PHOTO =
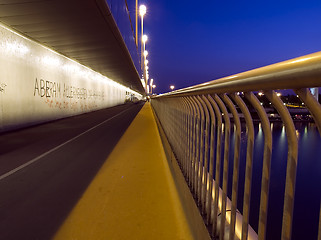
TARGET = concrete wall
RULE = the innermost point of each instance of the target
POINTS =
(38, 84)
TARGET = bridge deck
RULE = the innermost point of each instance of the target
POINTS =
(133, 196)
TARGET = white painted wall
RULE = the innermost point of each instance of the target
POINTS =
(38, 84)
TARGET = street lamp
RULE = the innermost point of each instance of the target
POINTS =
(142, 12)
(144, 39)
(151, 85)
(172, 87)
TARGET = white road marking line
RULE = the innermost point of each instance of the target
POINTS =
(59, 146)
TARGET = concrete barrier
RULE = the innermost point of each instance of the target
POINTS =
(38, 84)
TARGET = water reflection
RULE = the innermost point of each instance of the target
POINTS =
(305, 222)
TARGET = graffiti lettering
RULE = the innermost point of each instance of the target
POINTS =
(74, 92)
(48, 89)
(2, 87)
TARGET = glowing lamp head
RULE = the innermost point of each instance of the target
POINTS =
(172, 87)
(146, 62)
(142, 10)
(145, 38)
(145, 53)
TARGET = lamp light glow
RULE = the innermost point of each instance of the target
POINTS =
(145, 38)
(142, 10)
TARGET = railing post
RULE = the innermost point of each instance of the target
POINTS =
(190, 142)
(195, 142)
(211, 161)
(205, 163)
(225, 164)
(218, 162)
(312, 104)
(265, 169)
(291, 164)
(237, 123)
(201, 151)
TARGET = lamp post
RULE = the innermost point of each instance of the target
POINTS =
(142, 12)
(151, 85)
(144, 39)
(136, 24)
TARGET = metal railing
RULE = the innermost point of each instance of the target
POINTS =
(198, 121)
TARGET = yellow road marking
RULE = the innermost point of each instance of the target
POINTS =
(133, 196)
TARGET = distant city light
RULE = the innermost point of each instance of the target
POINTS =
(278, 94)
(260, 94)
(154, 86)
(142, 10)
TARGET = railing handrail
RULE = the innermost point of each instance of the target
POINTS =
(187, 123)
(301, 72)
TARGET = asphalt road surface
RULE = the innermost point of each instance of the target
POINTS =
(45, 169)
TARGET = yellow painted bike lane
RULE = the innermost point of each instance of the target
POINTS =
(133, 196)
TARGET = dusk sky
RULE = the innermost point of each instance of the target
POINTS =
(197, 41)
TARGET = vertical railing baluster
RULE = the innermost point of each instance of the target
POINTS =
(225, 163)
(194, 150)
(249, 158)
(291, 164)
(211, 160)
(312, 104)
(185, 135)
(236, 161)
(190, 141)
(206, 149)
(197, 149)
(201, 151)
(265, 169)
(218, 162)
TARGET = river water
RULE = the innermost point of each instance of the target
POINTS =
(308, 181)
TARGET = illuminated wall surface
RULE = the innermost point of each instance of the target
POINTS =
(122, 17)
(37, 84)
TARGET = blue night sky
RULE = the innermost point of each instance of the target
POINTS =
(197, 41)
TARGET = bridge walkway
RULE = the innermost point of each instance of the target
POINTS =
(134, 195)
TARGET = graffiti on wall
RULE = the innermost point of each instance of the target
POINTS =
(51, 89)
(2, 87)
(58, 95)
